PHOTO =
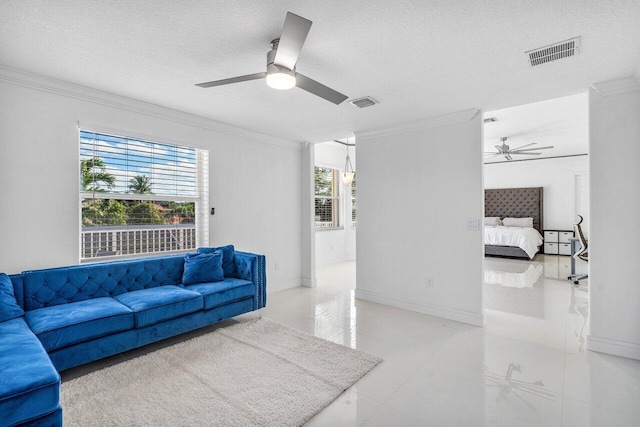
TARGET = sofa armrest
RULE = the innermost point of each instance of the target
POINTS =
(252, 267)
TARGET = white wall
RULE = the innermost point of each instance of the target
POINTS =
(614, 286)
(557, 176)
(254, 179)
(336, 245)
(307, 230)
(414, 200)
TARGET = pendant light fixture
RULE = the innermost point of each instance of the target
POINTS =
(349, 174)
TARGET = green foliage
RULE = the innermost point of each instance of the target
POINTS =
(103, 212)
(140, 184)
(180, 212)
(93, 174)
(145, 213)
(323, 179)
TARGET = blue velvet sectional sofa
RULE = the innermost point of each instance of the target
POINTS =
(58, 318)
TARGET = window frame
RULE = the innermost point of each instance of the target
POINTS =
(200, 188)
(336, 183)
(352, 197)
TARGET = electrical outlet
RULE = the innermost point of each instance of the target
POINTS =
(276, 265)
(429, 282)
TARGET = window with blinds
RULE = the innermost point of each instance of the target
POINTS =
(327, 198)
(140, 197)
(353, 202)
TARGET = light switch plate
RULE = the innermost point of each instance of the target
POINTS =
(473, 224)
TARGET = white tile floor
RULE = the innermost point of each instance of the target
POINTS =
(527, 367)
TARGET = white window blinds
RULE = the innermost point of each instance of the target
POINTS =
(141, 197)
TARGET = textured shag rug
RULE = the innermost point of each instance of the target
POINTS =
(254, 373)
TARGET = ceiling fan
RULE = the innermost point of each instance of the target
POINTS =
(507, 152)
(281, 63)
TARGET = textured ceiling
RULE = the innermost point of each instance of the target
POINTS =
(561, 122)
(418, 58)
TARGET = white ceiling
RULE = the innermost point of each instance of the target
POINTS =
(561, 122)
(418, 58)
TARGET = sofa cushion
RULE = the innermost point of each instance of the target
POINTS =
(59, 326)
(202, 268)
(9, 308)
(154, 305)
(29, 384)
(219, 293)
(228, 255)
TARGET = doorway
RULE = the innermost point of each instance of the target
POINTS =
(335, 218)
(553, 137)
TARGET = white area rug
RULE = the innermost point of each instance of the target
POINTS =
(255, 373)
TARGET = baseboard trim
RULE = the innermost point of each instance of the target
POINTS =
(308, 282)
(614, 347)
(475, 319)
(281, 286)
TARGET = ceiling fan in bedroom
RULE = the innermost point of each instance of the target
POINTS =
(507, 152)
(281, 63)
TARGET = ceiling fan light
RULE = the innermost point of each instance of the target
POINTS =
(281, 81)
(280, 77)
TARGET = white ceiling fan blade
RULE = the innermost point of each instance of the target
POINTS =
(233, 80)
(522, 146)
(491, 157)
(533, 149)
(318, 89)
(524, 154)
(294, 33)
(508, 157)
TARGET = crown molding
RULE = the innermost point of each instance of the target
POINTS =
(618, 86)
(84, 93)
(431, 122)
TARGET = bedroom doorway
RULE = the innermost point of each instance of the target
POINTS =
(540, 145)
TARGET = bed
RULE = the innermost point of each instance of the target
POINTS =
(513, 203)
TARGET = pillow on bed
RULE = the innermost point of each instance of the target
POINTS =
(518, 222)
(493, 221)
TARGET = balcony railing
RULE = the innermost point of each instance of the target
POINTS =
(120, 240)
(325, 224)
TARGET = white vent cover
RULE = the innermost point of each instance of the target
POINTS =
(365, 101)
(554, 52)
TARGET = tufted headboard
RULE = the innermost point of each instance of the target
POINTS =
(515, 203)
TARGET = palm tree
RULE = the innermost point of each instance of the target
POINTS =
(93, 172)
(140, 184)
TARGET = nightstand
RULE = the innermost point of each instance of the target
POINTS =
(557, 242)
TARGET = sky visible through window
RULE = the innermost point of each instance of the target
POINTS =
(171, 169)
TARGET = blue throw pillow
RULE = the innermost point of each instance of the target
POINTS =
(202, 268)
(228, 255)
(9, 308)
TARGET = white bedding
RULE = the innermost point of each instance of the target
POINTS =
(527, 239)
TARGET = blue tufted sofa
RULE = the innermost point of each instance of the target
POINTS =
(78, 314)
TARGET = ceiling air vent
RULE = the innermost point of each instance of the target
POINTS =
(554, 52)
(365, 101)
